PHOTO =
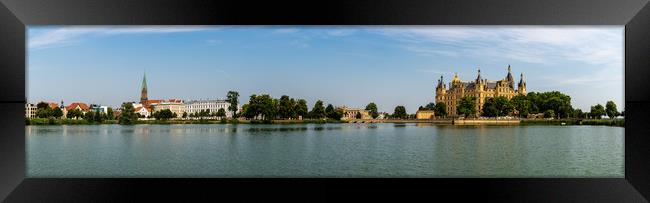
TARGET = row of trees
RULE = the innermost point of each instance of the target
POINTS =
(552, 104)
(265, 107)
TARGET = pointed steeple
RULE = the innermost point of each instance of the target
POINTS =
(143, 92)
(522, 83)
(509, 78)
(478, 78)
(144, 81)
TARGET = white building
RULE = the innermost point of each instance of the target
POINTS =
(144, 111)
(196, 106)
(99, 108)
(30, 110)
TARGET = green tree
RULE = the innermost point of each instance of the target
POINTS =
(42, 105)
(610, 109)
(57, 113)
(233, 98)
(329, 110)
(549, 113)
(400, 112)
(98, 117)
(43, 112)
(184, 115)
(467, 106)
(164, 114)
(128, 116)
(318, 111)
(522, 104)
(577, 113)
(109, 113)
(286, 107)
(221, 113)
(490, 108)
(301, 108)
(440, 109)
(358, 116)
(597, 111)
(372, 108)
(74, 113)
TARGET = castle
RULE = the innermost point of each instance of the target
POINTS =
(480, 88)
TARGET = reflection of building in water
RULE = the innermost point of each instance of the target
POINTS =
(479, 88)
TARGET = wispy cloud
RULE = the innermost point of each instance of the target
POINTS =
(70, 35)
(543, 45)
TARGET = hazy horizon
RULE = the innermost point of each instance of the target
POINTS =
(340, 65)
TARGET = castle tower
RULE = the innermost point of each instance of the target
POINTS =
(441, 90)
(143, 93)
(510, 79)
(521, 88)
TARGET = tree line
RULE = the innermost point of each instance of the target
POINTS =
(552, 104)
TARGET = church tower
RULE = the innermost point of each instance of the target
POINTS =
(521, 89)
(143, 93)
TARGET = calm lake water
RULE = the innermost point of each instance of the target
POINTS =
(324, 150)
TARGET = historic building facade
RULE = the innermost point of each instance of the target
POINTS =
(211, 105)
(479, 88)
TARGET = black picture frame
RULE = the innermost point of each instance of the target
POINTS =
(15, 15)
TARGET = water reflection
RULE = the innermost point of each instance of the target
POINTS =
(324, 150)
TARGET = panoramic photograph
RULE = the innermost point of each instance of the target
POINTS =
(325, 101)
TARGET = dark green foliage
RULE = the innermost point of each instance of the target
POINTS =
(372, 108)
(497, 106)
(164, 114)
(286, 108)
(522, 105)
(57, 113)
(318, 111)
(233, 98)
(42, 105)
(400, 112)
(467, 106)
(128, 116)
(549, 113)
(301, 108)
(610, 109)
(597, 111)
(440, 109)
(74, 113)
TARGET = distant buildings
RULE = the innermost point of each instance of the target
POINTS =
(83, 107)
(30, 110)
(424, 114)
(351, 113)
(174, 105)
(98, 108)
(196, 106)
(144, 111)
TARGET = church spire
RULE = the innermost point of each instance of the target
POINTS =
(143, 92)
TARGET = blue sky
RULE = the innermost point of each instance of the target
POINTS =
(349, 65)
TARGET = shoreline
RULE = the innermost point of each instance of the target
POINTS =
(459, 122)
